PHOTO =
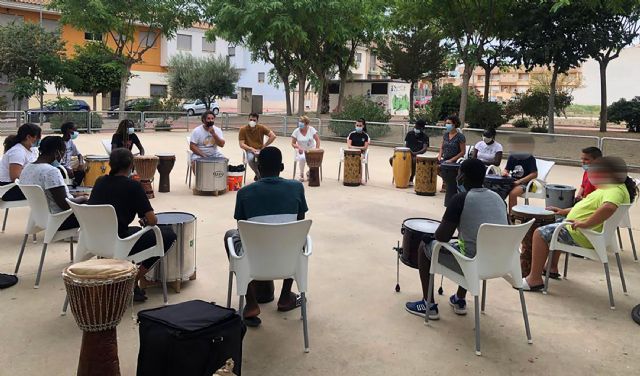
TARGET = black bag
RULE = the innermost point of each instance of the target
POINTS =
(193, 338)
(7, 280)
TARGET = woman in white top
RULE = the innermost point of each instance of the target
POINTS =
(489, 151)
(305, 137)
(18, 153)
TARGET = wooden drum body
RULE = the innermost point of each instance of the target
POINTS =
(314, 160)
(99, 292)
(449, 173)
(525, 213)
(165, 165)
(401, 166)
(352, 167)
(426, 180)
(97, 166)
(502, 185)
(145, 166)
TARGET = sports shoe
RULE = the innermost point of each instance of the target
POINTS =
(419, 309)
(459, 305)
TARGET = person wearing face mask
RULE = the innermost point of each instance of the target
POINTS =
(303, 138)
(489, 151)
(521, 166)
(129, 200)
(206, 139)
(453, 143)
(43, 172)
(18, 152)
(72, 161)
(418, 142)
(614, 188)
(466, 212)
(359, 139)
(251, 139)
(589, 155)
(125, 137)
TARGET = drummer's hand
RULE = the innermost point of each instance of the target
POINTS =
(553, 209)
(300, 151)
(578, 198)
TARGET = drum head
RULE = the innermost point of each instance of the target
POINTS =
(171, 218)
(105, 269)
(401, 148)
(424, 225)
(96, 157)
(559, 187)
(165, 155)
(212, 159)
(529, 209)
(498, 178)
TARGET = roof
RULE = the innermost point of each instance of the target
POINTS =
(34, 2)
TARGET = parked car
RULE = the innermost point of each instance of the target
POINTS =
(136, 104)
(36, 114)
(197, 106)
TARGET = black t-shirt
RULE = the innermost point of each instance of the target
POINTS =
(125, 195)
(416, 141)
(358, 138)
(133, 140)
(521, 167)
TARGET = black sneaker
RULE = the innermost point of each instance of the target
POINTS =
(139, 295)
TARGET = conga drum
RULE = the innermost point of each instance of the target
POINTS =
(525, 213)
(145, 166)
(426, 175)
(314, 160)
(165, 165)
(401, 166)
(560, 196)
(449, 173)
(501, 185)
(352, 167)
(99, 292)
(97, 166)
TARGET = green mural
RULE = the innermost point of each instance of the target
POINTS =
(400, 103)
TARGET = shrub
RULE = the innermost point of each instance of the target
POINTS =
(535, 104)
(163, 124)
(522, 123)
(484, 115)
(360, 107)
(539, 129)
(422, 113)
(447, 101)
(81, 119)
(626, 111)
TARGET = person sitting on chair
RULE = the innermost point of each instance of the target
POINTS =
(129, 199)
(521, 166)
(489, 151)
(303, 138)
(19, 151)
(271, 199)
(206, 139)
(589, 155)
(125, 137)
(469, 209)
(359, 139)
(251, 138)
(72, 160)
(613, 188)
(418, 142)
(45, 173)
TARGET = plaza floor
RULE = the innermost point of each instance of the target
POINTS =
(357, 322)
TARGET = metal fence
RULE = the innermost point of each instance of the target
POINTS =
(167, 121)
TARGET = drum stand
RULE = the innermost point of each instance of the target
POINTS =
(398, 250)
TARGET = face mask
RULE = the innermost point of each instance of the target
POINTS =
(252, 123)
(130, 130)
(585, 167)
(74, 135)
(487, 140)
(300, 125)
(449, 127)
(36, 144)
(209, 124)
(359, 129)
(417, 131)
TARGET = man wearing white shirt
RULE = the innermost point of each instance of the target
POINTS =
(207, 139)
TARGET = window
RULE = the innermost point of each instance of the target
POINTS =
(92, 36)
(231, 51)
(158, 91)
(373, 62)
(208, 46)
(52, 26)
(334, 88)
(261, 77)
(148, 38)
(379, 88)
(184, 42)
(6, 19)
(358, 57)
(523, 76)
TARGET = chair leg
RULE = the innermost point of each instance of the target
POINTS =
(525, 315)
(339, 169)
(546, 275)
(163, 270)
(633, 245)
(24, 243)
(229, 290)
(619, 237)
(566, 264)
(71, 249)
(366, 172)
(484, 294)
(320, 172)
(35, 238)
(429, 297)
(624, 284)
(241, 307)
(44, 252)
(65, 305)
(526, 201)
(606, 273)
(186, 177)
(295, 165)
(476, 306)
(305, 329)
(4, 221)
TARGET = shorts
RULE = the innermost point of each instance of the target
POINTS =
(445, 257)
(563, 236)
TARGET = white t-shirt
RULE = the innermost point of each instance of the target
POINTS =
(305, 142)
(72, 151)
(487, 153)
(47, 177)
(204, 141)
(18, 154)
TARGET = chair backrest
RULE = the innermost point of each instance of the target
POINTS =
(37, 203)
(273, 250)
(611, 224)
(98, 228)
(544, 167)
(498, 248)
(106, 144)
(5, 188)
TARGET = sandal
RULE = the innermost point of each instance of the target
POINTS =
(552, 275)
(298, 303)
(252, 322)
(526, 287)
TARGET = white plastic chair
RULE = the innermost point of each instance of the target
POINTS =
(189, 154)
(497, 256)
(272, 251)
(106, 144)
(626, 223)
(6, 205)
(40, 219)
(602, 243)
(295, 166)
(493, 170)
(538, 184)
(245, 162)
(468, 152)
(365, 161)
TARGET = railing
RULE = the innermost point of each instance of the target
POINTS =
(109, 120)
(10, 120)
(167, 121)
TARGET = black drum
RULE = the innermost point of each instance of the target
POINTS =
(415, 230)
(501, 185)
(449, 173)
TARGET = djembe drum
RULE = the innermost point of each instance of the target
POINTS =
(165, 165)
(426, 182)
(99, 291)
(314, 160)
(145, 166)
(401, 166)
(502, 185)
(352, 167)
(525, 213)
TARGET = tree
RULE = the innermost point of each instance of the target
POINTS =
(411, 54)
(30, 57)
(121, 22)
(626, 111)
(496, 55)
(93, 70)
(201, 78)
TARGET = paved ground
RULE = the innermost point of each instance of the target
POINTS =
(358, 325)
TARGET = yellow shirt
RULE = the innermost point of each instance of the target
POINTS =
(616, 194)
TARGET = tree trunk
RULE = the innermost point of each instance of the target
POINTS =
(411, 104)
(124, 81)
(552, 100)
(95, 101)
(320, 95)
(603, 96)
(287, 92)
(487, 82)
(325, 98)
(302, 79)
(466, 77)
(343, 82)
